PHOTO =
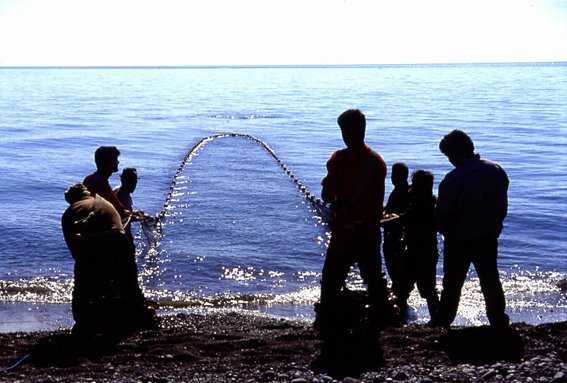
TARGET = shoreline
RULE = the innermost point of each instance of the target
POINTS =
(37, 316)
(239, 347)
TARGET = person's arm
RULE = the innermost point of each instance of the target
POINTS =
(390, 219)
(329, 183)
(68, 227)
(115, 201)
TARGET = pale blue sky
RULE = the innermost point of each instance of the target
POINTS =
(279, 32)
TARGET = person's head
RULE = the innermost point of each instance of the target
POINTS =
(422, 183)
(106, 158)
(129, 179)
(400, 173)
(76, 193)
(353, 127)
(457, 146)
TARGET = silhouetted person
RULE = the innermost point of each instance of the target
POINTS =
(354, 185)
(106, 295)
(398, 202)
(129, 181)
(419, 260)
(106, 161)
(471, 207)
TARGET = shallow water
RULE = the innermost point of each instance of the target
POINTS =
(238, 232)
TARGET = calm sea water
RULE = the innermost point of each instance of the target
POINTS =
(238, 233)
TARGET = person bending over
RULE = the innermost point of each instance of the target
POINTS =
(106, 296)
(471, 206)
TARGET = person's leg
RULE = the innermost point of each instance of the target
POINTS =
(392, 255)
(81, 302)
(335, 270)
(382, 311)
(427, 280)
(456, 263)
(367, 244)
(126, 271)
(485, 264)
(404, 285)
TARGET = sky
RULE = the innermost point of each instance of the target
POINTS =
(279, 32)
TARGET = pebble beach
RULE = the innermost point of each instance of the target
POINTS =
(236, 347)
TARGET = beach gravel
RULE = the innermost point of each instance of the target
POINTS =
(236, 347)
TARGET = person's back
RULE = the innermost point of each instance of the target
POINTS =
(419, 218)
(470, 212)
(354, 185)
(483, 205)
(399, 198)
(77, 227)
(106, 295)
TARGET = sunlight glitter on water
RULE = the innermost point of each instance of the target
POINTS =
(37, 290)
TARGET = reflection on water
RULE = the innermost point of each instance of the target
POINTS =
(25, 316)
(37, 304)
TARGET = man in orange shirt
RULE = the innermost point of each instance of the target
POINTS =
(106, 161)
(354, 186)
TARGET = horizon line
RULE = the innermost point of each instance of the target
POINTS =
(259, 66)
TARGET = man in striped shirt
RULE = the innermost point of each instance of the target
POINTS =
(471, 207)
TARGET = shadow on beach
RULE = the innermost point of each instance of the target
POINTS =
(482, 345)
(234, 347)
(349, 353)
(66, 349)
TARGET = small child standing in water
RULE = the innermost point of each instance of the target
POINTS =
(419, 260)
(398, 202)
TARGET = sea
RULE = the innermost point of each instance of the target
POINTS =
(230, 160)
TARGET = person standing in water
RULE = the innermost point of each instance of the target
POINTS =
(106, 161)
(418, 262)
(354, 186)
(398, 202)
(471, 206)
(129, 181)
(106, 295)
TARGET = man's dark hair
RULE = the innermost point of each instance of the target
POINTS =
(104, 154)
(353, 126)
(457, 143)
(132, 172)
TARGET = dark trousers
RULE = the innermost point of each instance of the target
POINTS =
(458, 256)
(106, 294)
(418, 266)
(393, 249)
(358, 244)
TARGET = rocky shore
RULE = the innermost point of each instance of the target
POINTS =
(231, 347)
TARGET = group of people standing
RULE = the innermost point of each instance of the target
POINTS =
(106, 296)
(469, 212)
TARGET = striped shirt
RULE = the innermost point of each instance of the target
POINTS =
(472, 200)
